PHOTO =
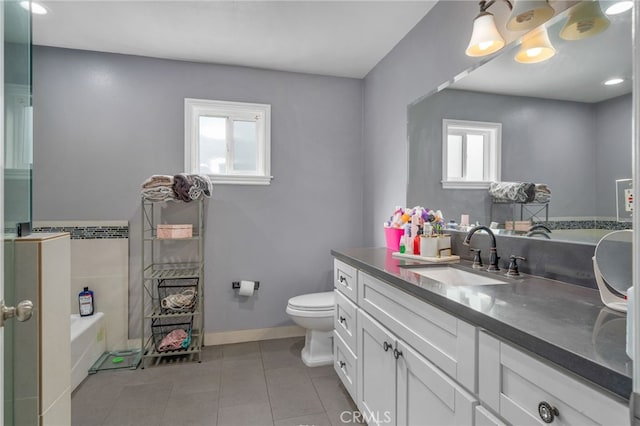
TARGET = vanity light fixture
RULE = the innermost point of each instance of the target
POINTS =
(485, 37)
(529, 14)
(585, 20)
(35, 8)
(525, 15)
(619, 7)
(536, 47)
(613, 81)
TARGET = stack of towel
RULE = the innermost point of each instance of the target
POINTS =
(182, 187)
(543, 193)
(520, 192)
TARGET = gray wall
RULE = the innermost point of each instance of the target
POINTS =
(613, 140)
(105, 122)
(543, 140)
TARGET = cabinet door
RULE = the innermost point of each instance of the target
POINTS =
(376, 372)
(427, 396)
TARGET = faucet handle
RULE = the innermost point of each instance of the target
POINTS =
(512, 271)
(477, 259)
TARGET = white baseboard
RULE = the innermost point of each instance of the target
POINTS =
(240, 336)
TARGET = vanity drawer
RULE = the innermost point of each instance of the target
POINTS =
(345, 279)
(514, 384)
(345, 321)
(443, 339)
(345, 364)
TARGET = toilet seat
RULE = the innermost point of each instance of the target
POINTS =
(314, 302)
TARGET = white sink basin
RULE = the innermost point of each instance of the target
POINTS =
(453, 276)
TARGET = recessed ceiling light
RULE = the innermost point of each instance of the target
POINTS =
(613, 81)
(36, 8)
(619, 7)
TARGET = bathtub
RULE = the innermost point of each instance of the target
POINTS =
(88, 342)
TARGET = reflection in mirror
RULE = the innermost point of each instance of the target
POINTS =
(561, 126)
(612, 268)
(18, 117)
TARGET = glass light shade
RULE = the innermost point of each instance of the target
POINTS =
(585, 20)
(536, 47)
(528, 14)
(485, 38)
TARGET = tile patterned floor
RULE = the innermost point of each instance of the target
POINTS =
(245, 384)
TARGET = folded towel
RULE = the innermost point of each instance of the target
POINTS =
(182, 183)
(158, 180)
(543, 193)
(159, 193)
(201, 187)
(519, 192)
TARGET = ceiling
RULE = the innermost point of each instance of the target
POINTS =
(337, 38)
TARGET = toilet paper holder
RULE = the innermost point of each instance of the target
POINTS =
(236, 285)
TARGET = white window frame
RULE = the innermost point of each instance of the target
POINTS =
(492, 153)
(261, 113)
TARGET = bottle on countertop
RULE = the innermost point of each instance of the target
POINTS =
(85, 302)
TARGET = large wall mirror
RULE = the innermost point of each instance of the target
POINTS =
(561, 126)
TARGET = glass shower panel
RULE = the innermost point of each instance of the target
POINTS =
(18, 111)
(20, 372)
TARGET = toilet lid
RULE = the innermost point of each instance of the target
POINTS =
(314, 301)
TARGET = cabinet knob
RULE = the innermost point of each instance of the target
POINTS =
(547, 412)
(342, 364)
(386, 346)
(342, 319)
(343, 279)
(396, 353)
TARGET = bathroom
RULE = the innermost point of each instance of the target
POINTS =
(104, 122)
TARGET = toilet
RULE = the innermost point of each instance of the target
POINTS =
(315, 312)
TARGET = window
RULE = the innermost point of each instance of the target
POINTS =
(229, 141)
(470, 153)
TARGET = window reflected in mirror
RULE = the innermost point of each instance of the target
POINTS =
(471, 153)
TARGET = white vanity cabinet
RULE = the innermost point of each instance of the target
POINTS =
(414, 363)
(523, 389)
(407, 362)
(398, 386)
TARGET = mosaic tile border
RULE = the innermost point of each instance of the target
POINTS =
(88, 232)
(585, 224)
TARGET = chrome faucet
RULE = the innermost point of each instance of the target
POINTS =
(493, 254)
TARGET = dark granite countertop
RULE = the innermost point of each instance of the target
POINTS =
(563, 323)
